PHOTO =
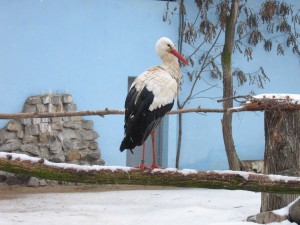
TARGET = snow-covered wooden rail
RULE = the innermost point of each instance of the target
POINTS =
(233, 180)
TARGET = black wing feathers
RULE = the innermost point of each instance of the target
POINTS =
(139, 120)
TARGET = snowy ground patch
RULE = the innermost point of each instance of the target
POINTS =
(144, 207)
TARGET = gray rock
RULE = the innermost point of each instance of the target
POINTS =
(33, 182)
(55, 99)
(28, 139)
(55, 147)
(7, 135)
(20, 134)
(59, 108)
(99, 162)
(70, 107)
(11, 146)
(93, 145)
(56, 126)
(67, 134)
(72, 124)
(45, 127)
(32, 129)
(45, 120)
(267, 217)
(36, 120)
(87, 124)
(43, 138)
(56, 120)
(57, 158)
(294, 212)
(26, 121)
(14, 179)
(44, 152)
(2, 176)
(34, 100)
(74, 144)
(65, 119)
(41, 108)
(31, 149)
(67, 98)
(91, 156)
(14, 126)
(76, 118)
(42, 183)
(51, 108)
(88, 135)
(29, 108)
(45, 99)
(73, 155)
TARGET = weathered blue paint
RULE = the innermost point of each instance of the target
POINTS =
(85, 48)
(88, 48)
(202, 146)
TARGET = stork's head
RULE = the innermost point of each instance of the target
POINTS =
(166, 46)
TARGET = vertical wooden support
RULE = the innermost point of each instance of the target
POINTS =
(282, 152)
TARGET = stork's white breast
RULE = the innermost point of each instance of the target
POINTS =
(160, 83)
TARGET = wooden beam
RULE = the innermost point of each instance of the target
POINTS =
(104, 112)
(164, 177)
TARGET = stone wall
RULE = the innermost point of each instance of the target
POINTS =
(61, 139)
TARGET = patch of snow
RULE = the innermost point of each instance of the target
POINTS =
(187, 171)
(166, 170)
(237, 108)
(179, 206)
(24, 157)
(285, 211)
(243, 174)
(274, 177)
(292, 98)
(174, 170)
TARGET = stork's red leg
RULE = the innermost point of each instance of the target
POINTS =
(142, 165)
(154, 165)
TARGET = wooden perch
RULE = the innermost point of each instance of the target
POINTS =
(252, 104)
(22, 164)
(107, 112)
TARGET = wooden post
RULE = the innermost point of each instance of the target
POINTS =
(282, 152)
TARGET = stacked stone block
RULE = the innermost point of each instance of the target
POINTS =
(58, 139)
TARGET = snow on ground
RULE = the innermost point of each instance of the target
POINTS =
(144, 207)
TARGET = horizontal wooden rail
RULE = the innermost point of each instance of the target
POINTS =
(232, 180)
(249, 107)
(106, 112)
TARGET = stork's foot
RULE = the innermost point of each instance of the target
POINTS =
(142, 166)
(155, 166)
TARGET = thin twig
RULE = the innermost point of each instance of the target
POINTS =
(234, 97)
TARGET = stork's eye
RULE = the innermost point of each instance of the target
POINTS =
(169, 45)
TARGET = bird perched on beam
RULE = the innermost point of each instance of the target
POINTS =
(150, 97)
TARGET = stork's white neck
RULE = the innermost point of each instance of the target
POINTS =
(170, 63)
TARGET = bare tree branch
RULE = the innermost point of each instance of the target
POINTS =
(204, 65)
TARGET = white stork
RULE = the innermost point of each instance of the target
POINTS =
(150, 97)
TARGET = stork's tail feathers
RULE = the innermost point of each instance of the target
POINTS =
(127, 143)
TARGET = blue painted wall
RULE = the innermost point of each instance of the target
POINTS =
(88, 48)
(202, 146)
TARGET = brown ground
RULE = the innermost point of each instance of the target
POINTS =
(12, 191)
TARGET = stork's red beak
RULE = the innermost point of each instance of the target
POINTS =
(180, 57)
